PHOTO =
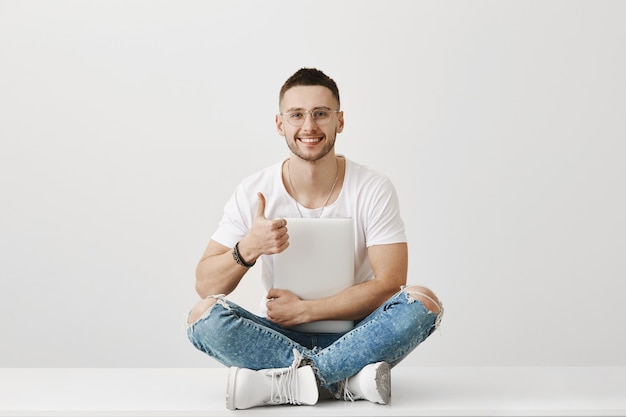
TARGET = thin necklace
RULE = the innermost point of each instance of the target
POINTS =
(296, 193)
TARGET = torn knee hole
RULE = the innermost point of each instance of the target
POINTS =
(426, 296)
(201, 309)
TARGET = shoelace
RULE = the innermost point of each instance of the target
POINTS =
(285, 383)
(347, 394)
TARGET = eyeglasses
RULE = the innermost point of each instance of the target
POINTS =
(320, 116)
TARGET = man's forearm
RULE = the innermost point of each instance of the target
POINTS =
(218, 274)
(353, 303)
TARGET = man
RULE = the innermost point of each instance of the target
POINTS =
(269, 362)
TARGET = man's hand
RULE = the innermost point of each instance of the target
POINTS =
(266, 237)
(285, 308)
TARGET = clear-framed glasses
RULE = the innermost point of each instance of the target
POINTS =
(320, 116)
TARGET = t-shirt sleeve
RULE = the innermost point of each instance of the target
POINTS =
(385, 225)
(236, 219)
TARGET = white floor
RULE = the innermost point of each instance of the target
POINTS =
(427, 391)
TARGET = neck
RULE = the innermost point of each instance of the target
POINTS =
(311, 175)
(313, 185)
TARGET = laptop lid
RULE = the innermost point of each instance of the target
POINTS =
(319, 262)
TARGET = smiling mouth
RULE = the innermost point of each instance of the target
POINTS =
(310, 140)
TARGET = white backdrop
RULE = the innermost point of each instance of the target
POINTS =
(125, 125)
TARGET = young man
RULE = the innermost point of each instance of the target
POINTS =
(269, 362)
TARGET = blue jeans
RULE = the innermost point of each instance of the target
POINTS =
(236, 337)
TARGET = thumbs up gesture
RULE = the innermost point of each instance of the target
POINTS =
(266, 237)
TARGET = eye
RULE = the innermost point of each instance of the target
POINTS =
(296, 115)
(321, 114)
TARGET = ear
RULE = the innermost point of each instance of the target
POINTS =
(279, 125)
(340, 122)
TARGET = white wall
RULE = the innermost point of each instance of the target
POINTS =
(125, 125)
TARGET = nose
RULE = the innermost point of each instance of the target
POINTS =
(309, 122)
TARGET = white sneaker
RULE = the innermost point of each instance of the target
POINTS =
(372, 383)
(293, 385)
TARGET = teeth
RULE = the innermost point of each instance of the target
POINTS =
(309, 140)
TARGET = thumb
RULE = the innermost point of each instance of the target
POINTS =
(260, 208)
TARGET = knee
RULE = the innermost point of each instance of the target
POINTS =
(426, 296)
(200, 309)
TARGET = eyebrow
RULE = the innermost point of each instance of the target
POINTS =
(292, 109)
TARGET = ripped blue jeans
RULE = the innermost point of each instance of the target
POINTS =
(236, 337)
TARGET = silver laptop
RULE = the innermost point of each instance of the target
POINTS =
(319, 262)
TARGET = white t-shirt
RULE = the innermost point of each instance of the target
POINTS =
(366, 197)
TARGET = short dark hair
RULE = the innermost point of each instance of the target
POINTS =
(310, 76)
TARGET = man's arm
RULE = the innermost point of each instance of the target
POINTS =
(390, 266)
(218, 273)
